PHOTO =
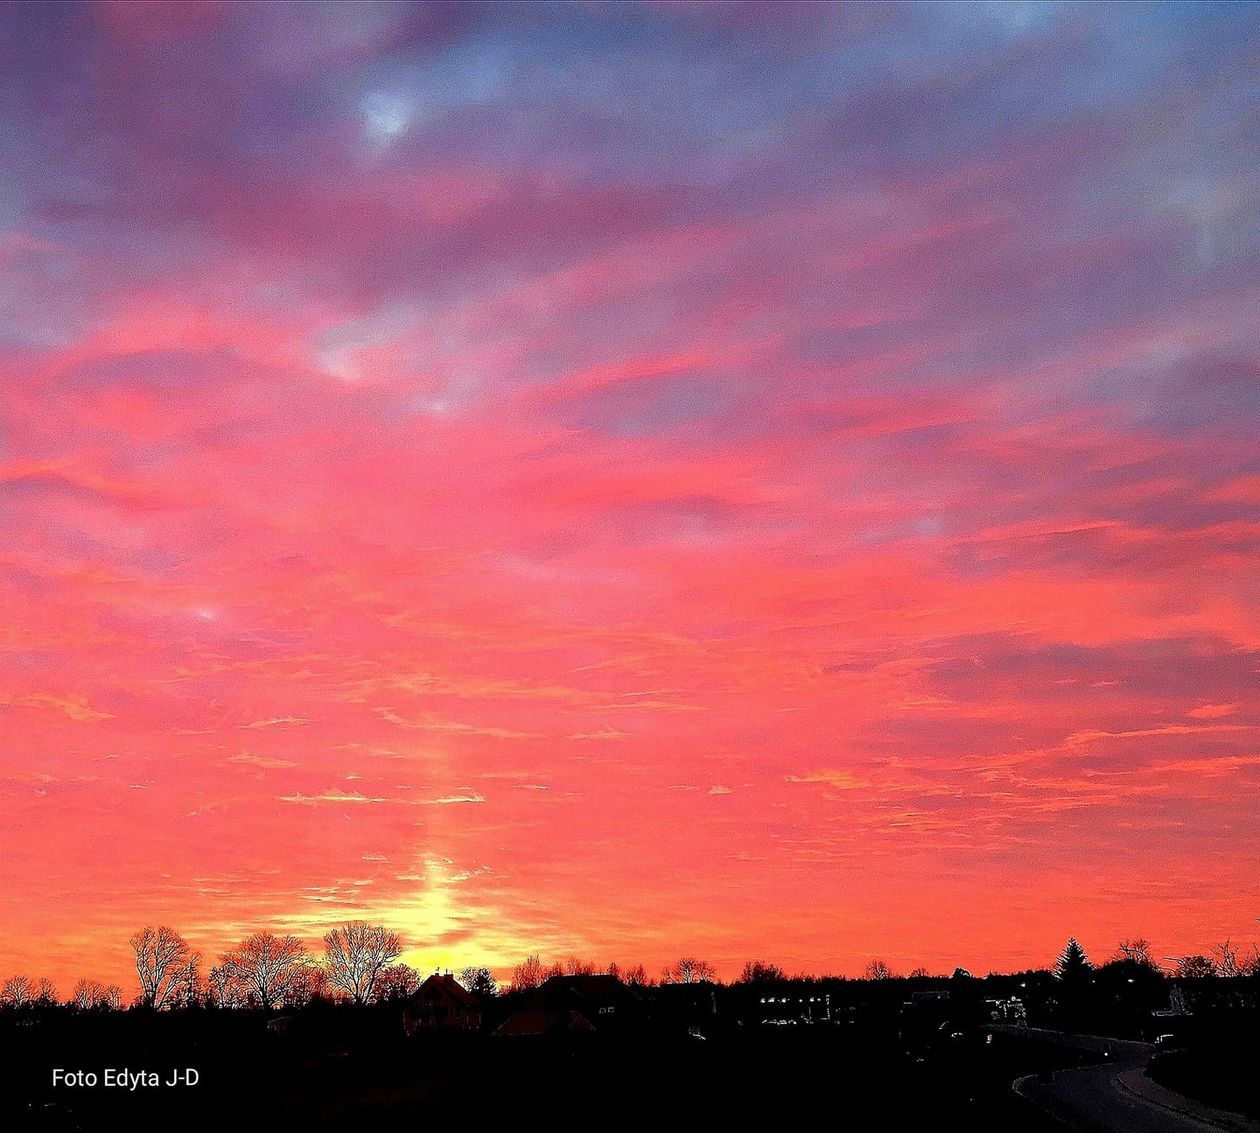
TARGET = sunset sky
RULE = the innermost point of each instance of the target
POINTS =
(630, 480)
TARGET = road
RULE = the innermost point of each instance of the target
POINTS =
(1115, 1096)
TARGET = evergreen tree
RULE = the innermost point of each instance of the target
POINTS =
(1072, 966)
(1074, 974)
(480, 981)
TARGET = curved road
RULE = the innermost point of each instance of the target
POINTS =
(1115, 1096)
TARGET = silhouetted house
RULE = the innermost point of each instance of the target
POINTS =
(924, 1018)
(1010, 1011)
(572, 1005)
(337, 1028)
(537, 1021)
(692, 1007)
(442, 1002)
(785, 1005)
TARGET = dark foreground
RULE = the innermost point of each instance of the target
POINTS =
(349, 1069)
(1117, 1093)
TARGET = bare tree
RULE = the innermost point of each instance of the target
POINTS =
(355, 956)
(111, 998)
(188, 988)
(1137, 951)
(919, 973)
(761, 972)
(480, 982)
(1227, 963)
(223, 990)
(688, 970)
(46, 993)
(309, 981)
(528, 974)
(162, 963)
(1195, 967)
(87, 994)
(878, 970)
(17, 991)
(264, 966)
(397, 982)
(574, 966)
(636, 976)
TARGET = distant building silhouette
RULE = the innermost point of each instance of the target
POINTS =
(442, 1002)
(575, 1005)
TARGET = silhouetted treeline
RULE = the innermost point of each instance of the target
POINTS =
(301, 1038)
(359, 964)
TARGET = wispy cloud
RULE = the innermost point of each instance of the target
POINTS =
(74, 706)
(466, 796)
(276, 722)
(264, 761)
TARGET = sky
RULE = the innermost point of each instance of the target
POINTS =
(630, 480)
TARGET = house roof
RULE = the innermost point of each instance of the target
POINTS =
(588, 991)
(445, 987)
(539, 1021)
